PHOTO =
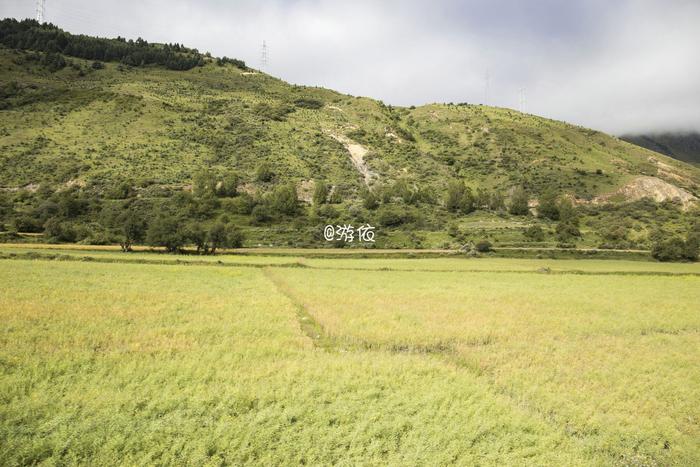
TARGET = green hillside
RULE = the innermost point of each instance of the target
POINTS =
(128, 134)
(682, 146)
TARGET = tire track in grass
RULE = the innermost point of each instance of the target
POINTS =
(307, 323)
(315, 331)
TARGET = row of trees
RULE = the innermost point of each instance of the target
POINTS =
(118, 211)
(462, 199)
(674, 247)
(174, 233)
(30, 35)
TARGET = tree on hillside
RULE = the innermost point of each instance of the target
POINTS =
(167, 231)
(691, 249)
(71, 204)
(320, 193)
(204, 183)
(225, 236)
(217, 236)
(199, 237)
(227, 186)
(203, 207)
(29, 34)
(669, 249)
(482, 198)
(133, 229)
(567, 211)
(549, 205)
(369, 199)
(496, 201)
(55, 230)
(568, 226)
(453, 198)
(459, 197)
(284, 200)
(519, 202)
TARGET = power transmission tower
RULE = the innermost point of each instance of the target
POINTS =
(521, 100)
(487, 82)
(40, 11)
(263, 56)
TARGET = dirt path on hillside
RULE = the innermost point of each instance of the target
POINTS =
(357, 156)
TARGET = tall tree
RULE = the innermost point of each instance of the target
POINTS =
(519, 202)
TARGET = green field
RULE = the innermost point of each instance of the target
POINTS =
(424, 361)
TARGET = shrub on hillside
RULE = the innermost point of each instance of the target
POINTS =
(276, 112)
(534, 233)
(27, 224)
(567, 230)
(308, 103)
(483, 246)
(369, 199)
(405, 134)
(56, 230)
(676, 249)
(227, 185)
(391, 216)
(261, 213)
(453, 230)
(242, 204)
(264, 173)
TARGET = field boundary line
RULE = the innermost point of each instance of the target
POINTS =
(301, 264)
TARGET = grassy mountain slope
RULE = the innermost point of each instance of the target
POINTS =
(163, 125)
(682, 146)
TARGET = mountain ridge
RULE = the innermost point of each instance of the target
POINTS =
(684, 146)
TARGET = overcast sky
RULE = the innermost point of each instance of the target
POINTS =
(619, 66)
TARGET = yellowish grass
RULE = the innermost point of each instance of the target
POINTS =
(169, 364)
(613, 359)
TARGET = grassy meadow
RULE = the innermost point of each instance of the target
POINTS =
(424, 361)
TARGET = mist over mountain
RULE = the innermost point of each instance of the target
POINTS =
(684, 146)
